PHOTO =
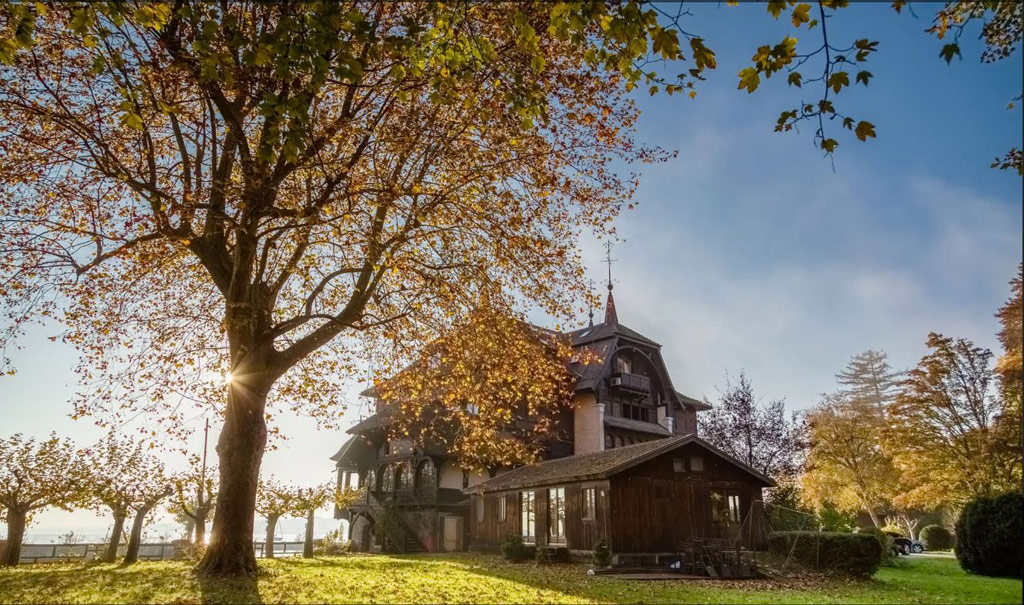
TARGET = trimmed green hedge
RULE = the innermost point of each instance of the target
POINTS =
(851, 554)
(936, 537)
(989, 536)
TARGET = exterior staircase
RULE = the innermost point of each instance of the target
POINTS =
(400, 536)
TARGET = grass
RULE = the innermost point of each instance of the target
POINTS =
(479, 579)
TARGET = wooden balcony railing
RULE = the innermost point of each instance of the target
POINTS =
(631, 383)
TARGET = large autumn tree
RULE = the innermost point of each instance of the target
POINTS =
(944, 428)
(846, 464)
(264, 190)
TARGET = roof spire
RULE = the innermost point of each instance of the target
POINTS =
(590, 303)
(610, 316)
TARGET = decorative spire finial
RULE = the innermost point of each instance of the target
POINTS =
(590, 303)
(610, 317)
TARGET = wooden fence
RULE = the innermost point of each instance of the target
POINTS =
(47, 553)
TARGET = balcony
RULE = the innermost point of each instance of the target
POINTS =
(633, 384)
(420, 496)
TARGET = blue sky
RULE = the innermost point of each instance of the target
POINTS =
(747, 251)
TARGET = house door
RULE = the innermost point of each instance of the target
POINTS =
(452, 533)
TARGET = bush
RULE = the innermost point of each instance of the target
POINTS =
(889, 552)
(936, 537)
(602, 554)
(850, 554)
(513, 548)
(542, 555)
(333, 543)
(989, 538)
(895, 529)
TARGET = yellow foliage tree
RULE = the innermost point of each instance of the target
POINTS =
(846, 464)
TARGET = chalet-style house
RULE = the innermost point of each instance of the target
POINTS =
(629, 468)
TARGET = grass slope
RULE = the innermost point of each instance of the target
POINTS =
(478, 579)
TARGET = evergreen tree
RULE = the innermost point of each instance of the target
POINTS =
(869, 377)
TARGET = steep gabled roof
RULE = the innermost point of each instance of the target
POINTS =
(600, 465)
(374, 422)
(354, 453)
(694, 403)
(635, 425)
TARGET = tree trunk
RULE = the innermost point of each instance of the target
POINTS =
(115, 537)
(268, 545)
(131, 555)
(307, 547)
(874, 517)
(16, 519)
(200, 530)
(240, 448)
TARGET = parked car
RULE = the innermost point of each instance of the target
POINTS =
(903, 545)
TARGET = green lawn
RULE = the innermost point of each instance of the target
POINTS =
(478, 578)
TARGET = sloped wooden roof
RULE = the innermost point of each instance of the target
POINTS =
(600, 465)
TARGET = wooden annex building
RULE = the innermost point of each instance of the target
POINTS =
(644, 499)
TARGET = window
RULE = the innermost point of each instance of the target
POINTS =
(388, 479)
(589, 507)
(609, 442)
(528, 519)
(725, 506)
(465, 478)
(472, 409)
(556, 515)
(636, 412)
(480, 510)
(371, 480)
(679, 465)
(696, 464)
(501, 508)
(622, 365)
(402, 477)
(426, 475)
(734, 507)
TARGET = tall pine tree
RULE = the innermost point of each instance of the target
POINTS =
(869, 377)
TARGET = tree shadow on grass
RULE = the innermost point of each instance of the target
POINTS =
(216, 589)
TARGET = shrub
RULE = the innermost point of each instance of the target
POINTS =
(936, 537)
(602, 554)
(894, 529)
(542, 555)
(513, 548)
(833, 519)
(989, 538)
(333, 543)
(889, 552)
(851, 554)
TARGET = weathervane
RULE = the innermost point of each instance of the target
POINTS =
(608, 259)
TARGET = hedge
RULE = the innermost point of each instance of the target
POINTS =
(936, 537)
(850, 554)
(989, 537)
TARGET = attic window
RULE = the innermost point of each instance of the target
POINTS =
(696, 464)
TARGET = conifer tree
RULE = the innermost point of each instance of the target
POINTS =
(868, 377)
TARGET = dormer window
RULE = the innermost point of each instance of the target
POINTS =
(622, 365)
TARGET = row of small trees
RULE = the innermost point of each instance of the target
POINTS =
(122, 477)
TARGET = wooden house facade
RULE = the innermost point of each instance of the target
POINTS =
(644, 499)
(617, 453)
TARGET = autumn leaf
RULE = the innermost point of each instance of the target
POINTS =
(749, 79)
(865, 130)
